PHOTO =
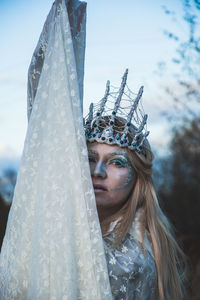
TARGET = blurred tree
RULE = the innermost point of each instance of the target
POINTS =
(179, 189)
(11, 175)
(181, 198)
(179, 194)
(186, 95)
(4, 210)
(7, 184)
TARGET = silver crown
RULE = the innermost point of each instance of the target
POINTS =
(123, 124)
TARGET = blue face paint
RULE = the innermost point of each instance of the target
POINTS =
(112, 177)
(124, 163)
(120, 161)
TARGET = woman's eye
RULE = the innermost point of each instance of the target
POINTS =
(119, 163)
(91, 159)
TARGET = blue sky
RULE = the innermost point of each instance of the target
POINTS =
(120, 34)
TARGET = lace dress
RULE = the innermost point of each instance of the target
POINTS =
(131, 269)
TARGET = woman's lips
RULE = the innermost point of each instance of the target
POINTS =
(98, 188)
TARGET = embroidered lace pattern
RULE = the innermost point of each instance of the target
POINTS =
(132, 270)
(53, 247)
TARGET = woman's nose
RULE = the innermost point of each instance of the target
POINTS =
(99, 170)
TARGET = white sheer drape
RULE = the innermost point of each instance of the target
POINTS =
(53, 247)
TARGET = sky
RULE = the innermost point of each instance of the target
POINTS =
(120, 34)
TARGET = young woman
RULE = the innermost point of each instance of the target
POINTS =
(142, 255)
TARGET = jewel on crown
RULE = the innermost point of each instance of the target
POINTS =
(123, 123)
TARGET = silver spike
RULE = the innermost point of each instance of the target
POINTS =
(121, 91)
(90, 116)
(143, 138)
(104, 99)
(143, 123)
(135, 104)
(91, 112)
(102, 106)
(132, 110)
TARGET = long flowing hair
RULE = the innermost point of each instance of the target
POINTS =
(169, 258)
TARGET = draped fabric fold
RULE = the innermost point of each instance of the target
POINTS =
(77, 21)
(53, 246)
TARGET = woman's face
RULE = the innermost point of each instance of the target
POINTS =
(112, 175)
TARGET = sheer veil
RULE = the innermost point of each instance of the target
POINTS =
(53, 246)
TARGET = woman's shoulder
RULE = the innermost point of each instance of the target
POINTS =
(132, 252)
(135, 233)
(131, 267)
(134, 239)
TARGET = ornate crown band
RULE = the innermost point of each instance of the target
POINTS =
(123, 124)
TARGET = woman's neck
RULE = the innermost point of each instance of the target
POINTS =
(106, 213)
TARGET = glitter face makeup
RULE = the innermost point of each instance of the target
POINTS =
(112, 176)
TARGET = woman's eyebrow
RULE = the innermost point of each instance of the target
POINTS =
(117, 153)
(92, 151)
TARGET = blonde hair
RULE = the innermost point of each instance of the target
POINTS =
(169, 258)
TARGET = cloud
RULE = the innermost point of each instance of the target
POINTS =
(7, 151)
(9, 80)
(9, 159)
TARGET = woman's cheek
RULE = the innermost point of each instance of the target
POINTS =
(120, 180)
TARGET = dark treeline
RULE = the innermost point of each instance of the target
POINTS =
(4, 210)
(179, 186)
(179, 196)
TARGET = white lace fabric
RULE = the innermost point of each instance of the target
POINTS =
(131, 269)
(53, 247)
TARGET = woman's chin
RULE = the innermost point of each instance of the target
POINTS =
(101, 200)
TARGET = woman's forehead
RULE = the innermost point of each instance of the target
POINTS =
(101, 148)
